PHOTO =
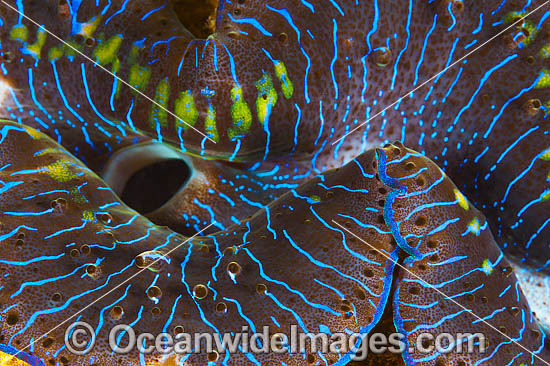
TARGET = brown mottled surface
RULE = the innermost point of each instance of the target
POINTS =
(487, 131)
(198, 16)
(75, 217)
(386, 327)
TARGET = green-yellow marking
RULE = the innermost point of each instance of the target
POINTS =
(19, 32)
(267, 98)
(49, 150)
(487, 266)
(158, 114)
(184, 108)
(60, 171)
(544, 79)
(210, 123)
(77, 196)
(107, 52)
(35, 49)
(545, 196)
(33, 133)
(462, 201)
(474, 227)
(527, 24)
(56, 53)
(61, 50)
(101, 53)
(71, 51)
(286, 84)
(134, 53)
(545, 51)
(88, 29)
(88, 216)
(139, 77)
(546, 154)
(240, 112)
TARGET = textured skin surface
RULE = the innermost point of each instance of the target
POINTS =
(284, 80)
(216, 192)
(315, 292)
(279, 82)
(450, 233)
(339, 283)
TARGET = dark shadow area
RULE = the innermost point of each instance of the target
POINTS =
(151, 187)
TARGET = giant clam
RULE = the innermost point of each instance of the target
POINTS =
(266, 131)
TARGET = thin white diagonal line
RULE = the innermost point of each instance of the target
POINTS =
(442, 71)
(441, 293)
(105, 69)
(110, 291)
